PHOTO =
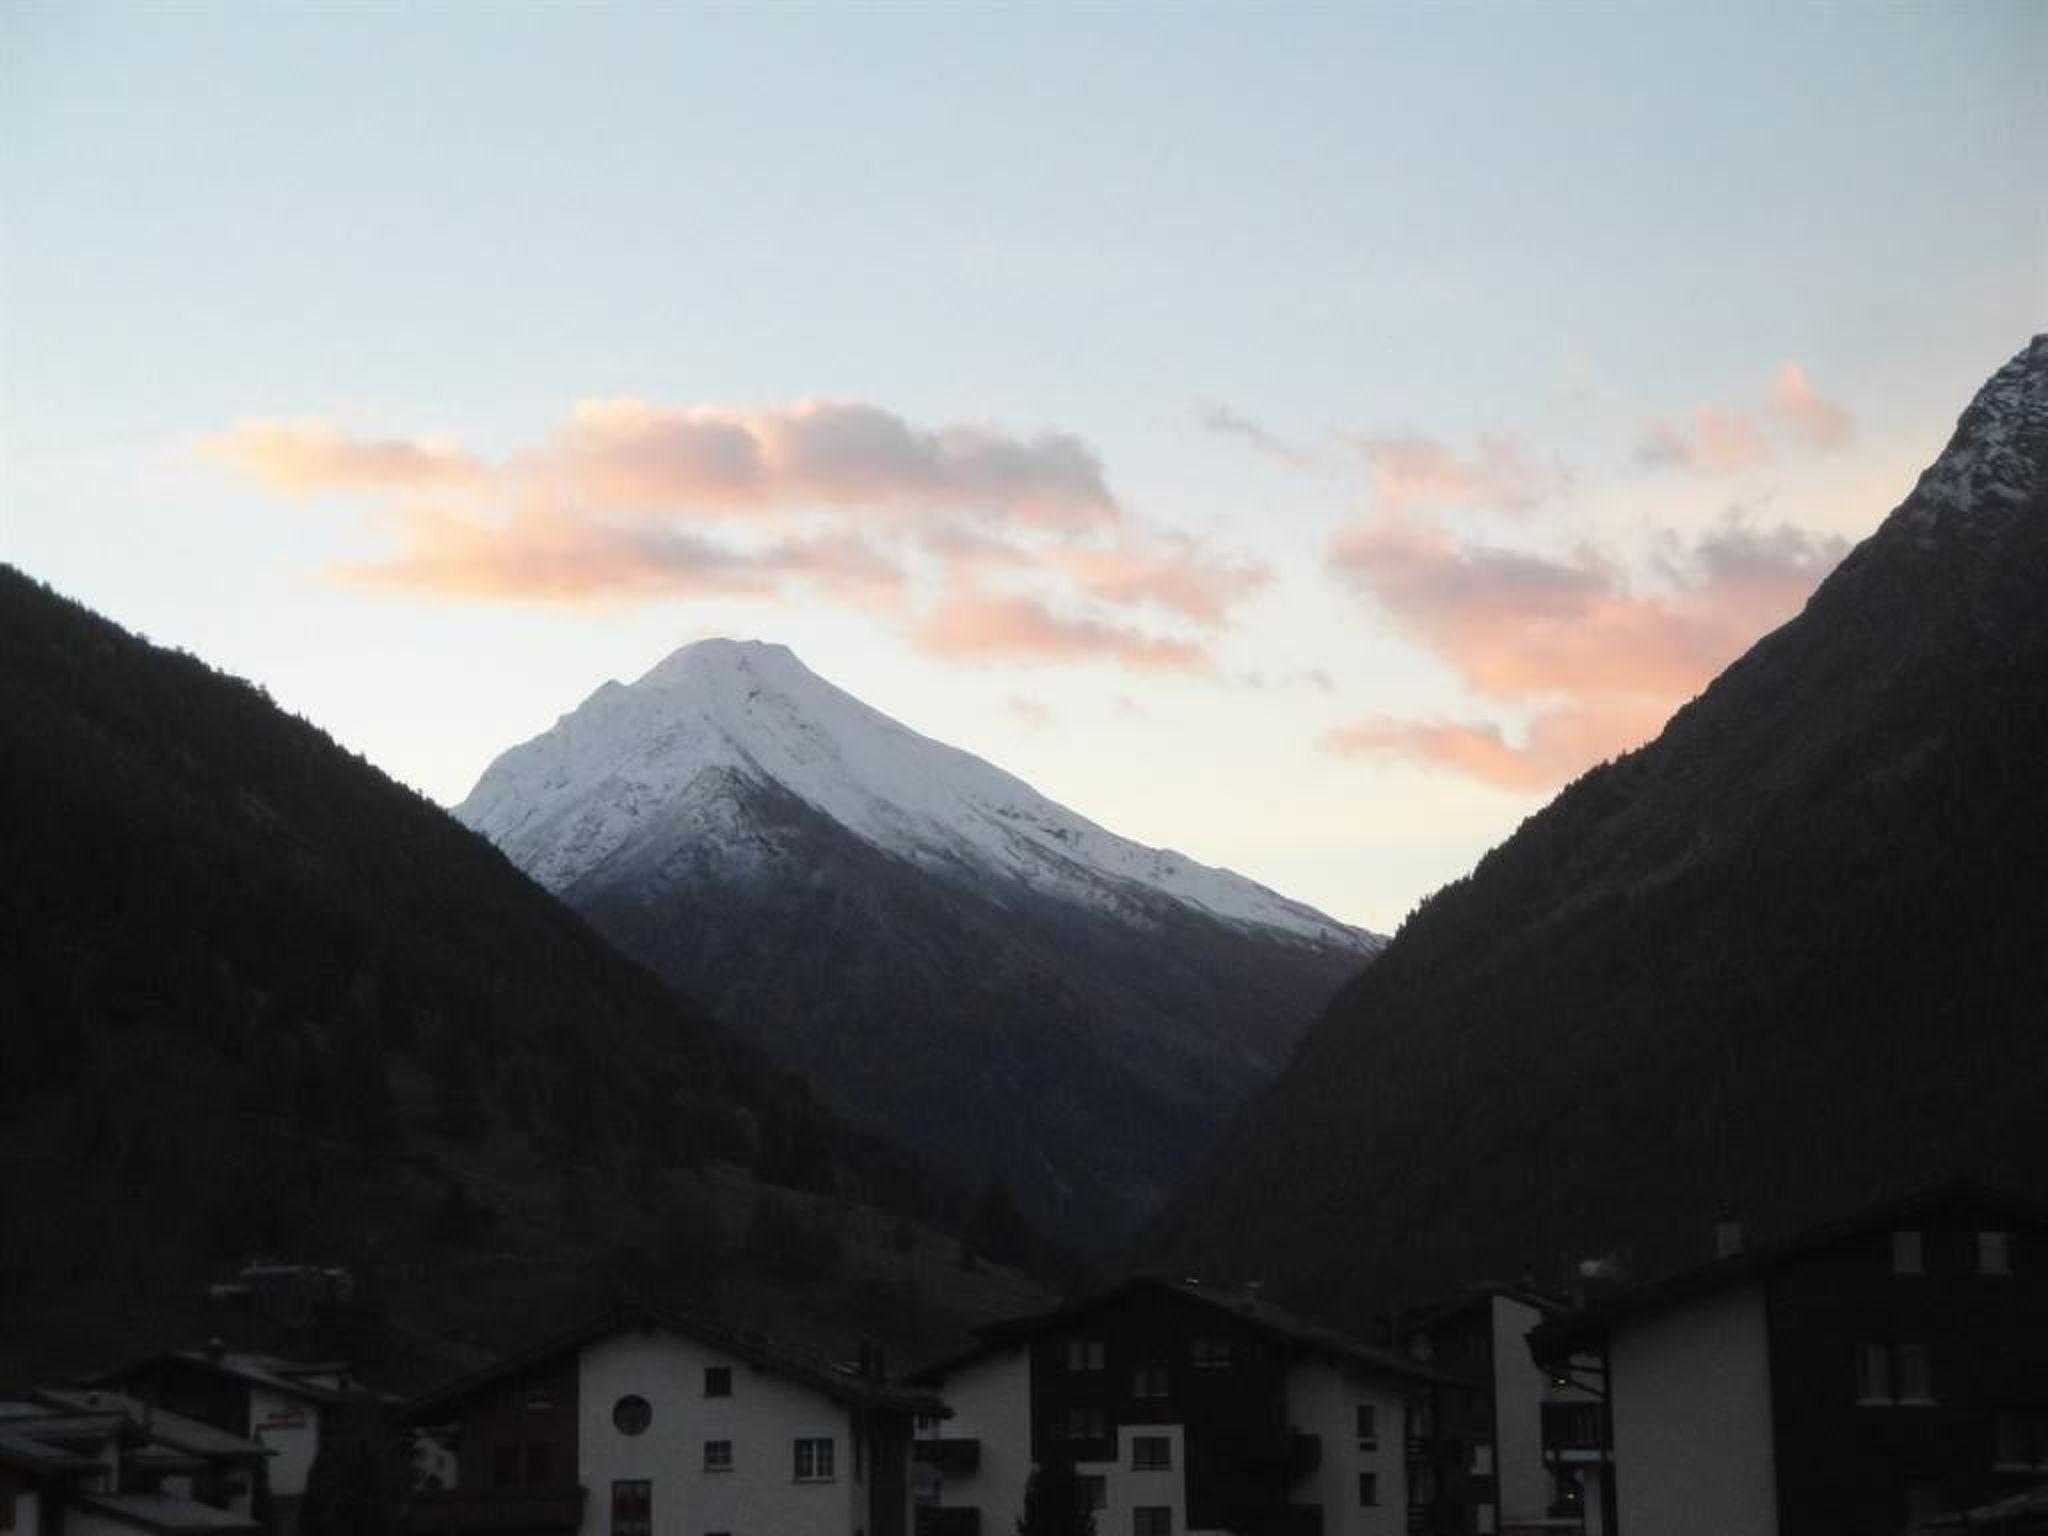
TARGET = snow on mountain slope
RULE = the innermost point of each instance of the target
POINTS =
(563, 803)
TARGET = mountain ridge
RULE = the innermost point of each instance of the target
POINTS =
(1783, 960)
(761, 704)
(945, 953)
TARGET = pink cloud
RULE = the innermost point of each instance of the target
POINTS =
(306, 458)
(542, 556)
(1165, 571)
(989, 626)
(1717, 442)
(1411, 472)
(1559, 743)
(1814, 421)
(1597, 659)
(972, 540)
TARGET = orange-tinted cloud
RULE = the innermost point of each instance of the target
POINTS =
(1717, 440)
(991, 626)
(1166, 571)
(629, 454)
(543, 557)
(306, 458)
(1410, 472)
(1597, 659)
(1801, 411)
(1558, 743)
(971, 540)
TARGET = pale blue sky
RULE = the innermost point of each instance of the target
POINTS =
(1548, 225)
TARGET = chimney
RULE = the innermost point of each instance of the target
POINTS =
(1727, 1236)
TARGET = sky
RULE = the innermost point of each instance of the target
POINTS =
(1304, 437)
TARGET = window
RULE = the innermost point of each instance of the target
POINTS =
(1908, 1254)
(814, 1459)
(860, 1458)
(1910, 1362)
(2023, 1438)
(632, 1414)
(633, 1508)
(1368, 1427)
(1151, 1453)
(1084, 1354)
(539, 1402)
(1368, 1488)
(1482, 1519)
(1480, 1464)
(1094, 1492)
(1993, 1255)
(1151, 1520)
(1212, 1354)
(1892, 1373)
(506, 1471)
(540, 1465)
(717, 1455)
(1087, 1424)
(718, 1381)
(1150, 1382)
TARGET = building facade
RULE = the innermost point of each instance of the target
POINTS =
(1855, 1380)
(648, 1421)
(1516, 1449)
(1181, 1409)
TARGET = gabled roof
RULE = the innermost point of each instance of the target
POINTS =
(1586, 1328)
(323, 1382)
(172, 1429)
(1275, 1323)
(23, 1452)
(159, 1512)
(839, 1383)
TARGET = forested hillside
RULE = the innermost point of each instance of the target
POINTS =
(1789, 959)
(258, 999)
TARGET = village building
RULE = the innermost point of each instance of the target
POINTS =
(1518, 1450)
(1182, 1408)
(284, 1406)
(649, 1420)
(1857, 1379)
(92, 1463)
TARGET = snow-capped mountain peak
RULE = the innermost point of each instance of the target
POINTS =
(565, 802)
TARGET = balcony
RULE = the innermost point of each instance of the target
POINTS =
(949, 1458)
(936, 1520)
(1574, 1432)
(498, 1511)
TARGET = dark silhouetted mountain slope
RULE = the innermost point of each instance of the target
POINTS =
(256, 998)
(1789, 958)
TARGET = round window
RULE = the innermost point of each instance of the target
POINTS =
(632, 1415)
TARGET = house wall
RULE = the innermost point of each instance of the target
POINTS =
(1323, 1400)
(1845, 1464)
(1126, 1489)
(290, 1426)
(1519, 1392)
(1691, 1395)
(991, 1402)
(534, 1412)
(22, 1502)
(762, 1419)
(1233, 1415)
